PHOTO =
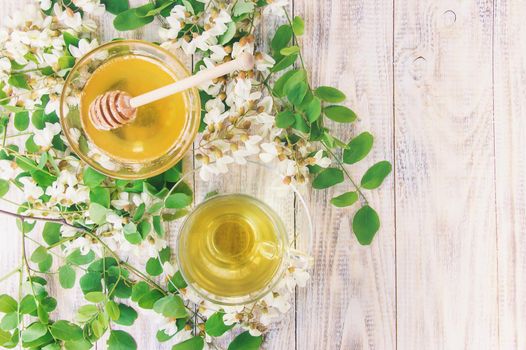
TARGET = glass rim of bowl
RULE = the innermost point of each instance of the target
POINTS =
(287, 249)
(196, 105)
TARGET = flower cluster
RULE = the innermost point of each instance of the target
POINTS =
(240, 109)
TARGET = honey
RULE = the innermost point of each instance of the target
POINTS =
(231, 246)
(158, 125)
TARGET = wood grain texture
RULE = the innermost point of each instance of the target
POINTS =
(510, 143)
(350, 300)
(445, 194)
(441, 85)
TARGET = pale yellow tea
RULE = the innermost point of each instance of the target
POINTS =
(231, 246)
(157, 126)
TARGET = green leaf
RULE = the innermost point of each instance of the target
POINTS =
(144, 228)
(120, 340)
(298, 25)
(95, 297)
(171, 306)
(28, 305)
(229, 34)
(329, 94)
(97, 213)
(286, 51)
(37, 119)
(66, 276)
(344, 200)
(139, 212)
(92, 178)
(33, 332)
(8, 304)
(82, 344)
(76, 257)
(158, 225)
(139, 290)
(22, 120)
(100, 195)
(90, 282)
(285, 119)
(70, 39)
(340, 114)
(65, 330)
(215, 326)
(285, 62)
(358, 148)
(300, 123)
(177, 282)
(296, 95)
(133, 18)
(51, 233)
(43, 178)
(19, 81)
(66, 61)
(313, 110)
(116, 6)
(113, 310)
(5, 337)
(148, 300)
(242, 6)
(39, 255)
(365, 224)
(4, 187)
(245, 341)
(376, 174)
(194, 343)
(280, 83)
(9, 321)
(87, 312)
(281, 38)
(131, 234)
(127, 315)
(178, 201)
(327, 178)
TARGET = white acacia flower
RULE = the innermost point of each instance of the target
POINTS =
(68, 18)
(238, 49)
(84, 46)
(322, 161)
(269, 316)
(32, 191)
(218, 24)
(297, 277)
(270, 152)
(215, 111)
(275, 8)
(45, 4)
(68, 231)
(207, 171)
(254, 331)
(93, 7)
(217, 52)
(122, 202)
(8, 169)
(243, 88)
(53, 105)
(278, 301)
(5, 67)
(44, 137)
(264, 62)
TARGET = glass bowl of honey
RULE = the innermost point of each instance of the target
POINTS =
(161, 133)
(236, 243)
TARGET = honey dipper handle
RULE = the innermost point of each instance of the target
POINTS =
(244, 62)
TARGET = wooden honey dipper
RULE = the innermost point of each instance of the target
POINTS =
(114, 109)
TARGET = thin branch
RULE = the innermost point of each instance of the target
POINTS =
(37, 218)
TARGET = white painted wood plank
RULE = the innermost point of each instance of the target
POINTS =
(350, 301)
(445, 196)
(510, 142)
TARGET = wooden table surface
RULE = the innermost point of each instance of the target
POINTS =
(442, 86)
